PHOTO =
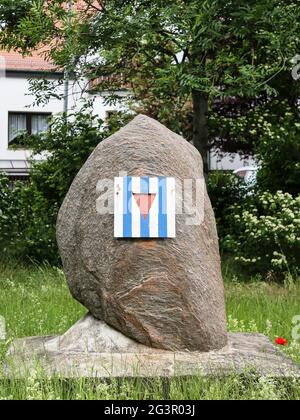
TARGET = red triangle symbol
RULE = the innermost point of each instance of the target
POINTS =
(144, 202)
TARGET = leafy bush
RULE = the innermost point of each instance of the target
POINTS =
(225, 190)
(27, 223)
(67, 144)
(265, 234)
(28, 213)
(278, 152)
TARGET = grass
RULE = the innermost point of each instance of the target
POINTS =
(36, 301)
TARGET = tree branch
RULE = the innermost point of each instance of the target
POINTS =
(91, 3)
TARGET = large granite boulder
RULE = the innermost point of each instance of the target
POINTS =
(166, 294)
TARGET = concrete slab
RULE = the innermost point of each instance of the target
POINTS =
(93, 349)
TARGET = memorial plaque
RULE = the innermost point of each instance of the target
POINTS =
(144, 207)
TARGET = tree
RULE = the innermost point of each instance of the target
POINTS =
(185, 53)
(68, 144)
(279, 152)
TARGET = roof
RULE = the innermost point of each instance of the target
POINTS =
(14, 167)
(14, 61)
(37, 61)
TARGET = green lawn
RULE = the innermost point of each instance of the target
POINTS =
(36, 301)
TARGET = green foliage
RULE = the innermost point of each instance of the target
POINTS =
(12, 11)
(27, 223)
(67, 144)
(35, 301)
(278, 152)
(225, 190)
(27, 24)
(167, 50)
(28, 212)
(258, 37)
(238, 55)
(271, 129)
(265, 234)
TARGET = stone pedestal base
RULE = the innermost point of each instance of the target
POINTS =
(93, 349)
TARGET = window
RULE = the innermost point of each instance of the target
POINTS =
(25, 123)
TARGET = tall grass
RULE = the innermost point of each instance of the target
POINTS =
(195, 388)
(36, 301)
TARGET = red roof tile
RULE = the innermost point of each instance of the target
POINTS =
(35, 62)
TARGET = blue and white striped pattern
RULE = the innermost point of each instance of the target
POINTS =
(159, 222)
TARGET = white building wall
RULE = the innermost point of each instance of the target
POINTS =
(14, 97)
(229, 161)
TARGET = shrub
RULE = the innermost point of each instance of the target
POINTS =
(278, 152)
(225, 190)
(265, 235)
(68, 144)
(27, 223)
(28, 213)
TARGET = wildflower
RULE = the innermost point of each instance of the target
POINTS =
(281, 341)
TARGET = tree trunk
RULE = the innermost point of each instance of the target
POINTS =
(200, 128)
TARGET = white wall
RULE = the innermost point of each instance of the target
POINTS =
(228, 161)
(14, 97)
